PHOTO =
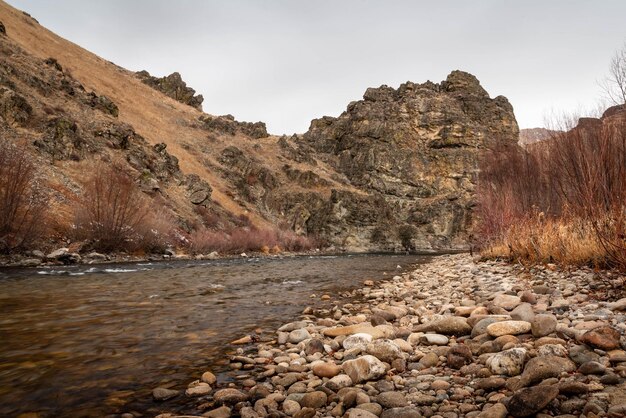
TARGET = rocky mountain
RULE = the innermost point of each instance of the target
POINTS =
(412, 153)
(396, 170)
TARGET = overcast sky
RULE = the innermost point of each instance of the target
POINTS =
(287, 62)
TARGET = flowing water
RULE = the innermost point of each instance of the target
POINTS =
(93, 341)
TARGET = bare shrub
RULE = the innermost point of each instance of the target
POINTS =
(614, 85)
(115, 216)
(23, 201)
(561, 200)
(247, 239)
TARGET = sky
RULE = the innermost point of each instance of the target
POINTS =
(286, 62)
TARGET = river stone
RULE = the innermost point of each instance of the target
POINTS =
(499, 329)
(429, 360)
(523, 312)
(364, 368)
(229, 396)
(163, 394)
(618, 305)
(392, 399)
(458, 356)
(360, 413)
(313, 346)
(509, 362)
(529, 401)
(552, 350)
(208, 377)
(384, 350)
(481, 326)
(365, 328)
(403, 345)
(496, 411)
(617, 356)
(357, 340)
(448, 325)
(581, 354)
(315, 400)
(543, 324)
(591, 367)
(305, 413)
(298, 335)
(404, 412)
(291, 407)
(371, 407)
(434, 339)
(292, 326)
(605, 338)
(338, 382)
(542, 289)
(490, 383)
(198, 390)
(540, 368)
(508, 302)
(326, 370)
(221, 412)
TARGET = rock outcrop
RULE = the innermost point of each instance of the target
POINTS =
(227, 124)
(174, 87)
(412, 154)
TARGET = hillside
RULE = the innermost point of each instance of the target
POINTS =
(395, 171)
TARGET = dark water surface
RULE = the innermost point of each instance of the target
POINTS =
(93, 341)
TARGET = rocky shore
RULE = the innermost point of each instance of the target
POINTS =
(454, 338)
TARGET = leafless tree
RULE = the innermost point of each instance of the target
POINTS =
(614, 85)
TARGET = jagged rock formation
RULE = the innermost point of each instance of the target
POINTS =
(412, 154)
(174, 87)
(227, 124)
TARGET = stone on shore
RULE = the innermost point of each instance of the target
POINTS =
(543, 324)
(326, 370)
(496, 411)
(508, 302)
(498, 329)
(364, 368)
(605, 338)
(508, 363)
(384, 350)
(540, 368)
(528, 401)
(163, 394)
(229, 396)
(449, 325)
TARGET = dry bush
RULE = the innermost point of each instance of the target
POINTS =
(23, 201)
(241, 239)
(562, 200)
(115, 216)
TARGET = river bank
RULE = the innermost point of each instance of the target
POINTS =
(451, 339)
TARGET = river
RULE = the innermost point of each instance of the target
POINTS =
(95, 340)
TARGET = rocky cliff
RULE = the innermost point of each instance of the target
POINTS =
(411, 155)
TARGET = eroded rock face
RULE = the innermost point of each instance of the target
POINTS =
(413, 150)
(174, 87)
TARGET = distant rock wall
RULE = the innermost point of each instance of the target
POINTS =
(411, 154)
